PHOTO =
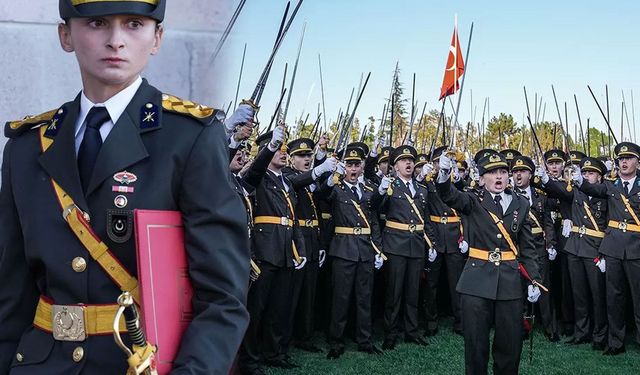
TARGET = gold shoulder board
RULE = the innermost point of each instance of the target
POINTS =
(186, 107)
(15, 128)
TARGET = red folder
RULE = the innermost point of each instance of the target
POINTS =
(164, 282)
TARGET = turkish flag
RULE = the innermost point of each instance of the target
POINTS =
(454, 68)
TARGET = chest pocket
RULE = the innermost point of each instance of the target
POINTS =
(35, 347)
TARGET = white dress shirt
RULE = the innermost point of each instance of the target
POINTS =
(631, 181)
(412, 189)
(357, 186)
(505, 200)
(115, 106)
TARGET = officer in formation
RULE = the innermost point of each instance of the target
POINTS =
(71, 178)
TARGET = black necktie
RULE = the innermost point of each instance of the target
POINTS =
(355, 192)
(497, 199)
(284, 184)
(409, 188)
(626, 187)
(91, 144)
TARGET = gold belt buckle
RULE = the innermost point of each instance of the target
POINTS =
(357, 231)
(412, 228)
(495, 257)
(444, 219)
(68, 323)
(308, 223)
(284, 221)
(622, 226)
(582, 231)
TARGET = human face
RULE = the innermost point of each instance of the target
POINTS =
(279, 160)
(417, 171)
(353, 169)
(628, 167)
(555, 168)
(111, 50)
(238, 161)
(495, 181)
(404, 168)
(522, 178)
(592, 176)
(384, 167)
(301, 162)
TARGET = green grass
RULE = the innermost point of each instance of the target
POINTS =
(445, 355)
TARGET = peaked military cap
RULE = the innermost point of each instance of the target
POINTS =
(437, 153)
(264, 139)
(482, 153)
(627, 149)
(492, 162)
(403, 152)
(510, 153)
(522, 163)
(592, 164)
(95, 8)
(354, 152)
(301, 146)
(462, 164)
(384, 154)
(576, 156)
(421, 160)
(363, 146)
(555, 155)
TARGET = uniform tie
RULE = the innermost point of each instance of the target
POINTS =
(497, 200)
(286, 187)
(409, 188)
(626, 187)
(355, 192)
(91, 143)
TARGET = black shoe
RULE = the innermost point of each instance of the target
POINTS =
(335, 353)
(416, 340)
(281, 363)
(308, 347)
(597, 346)
(614, 351)
(552, 337)
(371, 349)
(389, 344)
(431, 332)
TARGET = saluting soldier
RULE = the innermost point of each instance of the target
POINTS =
(620, 247)
(404, 203)
(82, 169)
(356, 250)
(303, 178)
(451, 253)
(278, 246)
(498, 230)
(589, 219)
(523, 170)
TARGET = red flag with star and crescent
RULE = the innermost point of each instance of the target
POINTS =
(454, 68)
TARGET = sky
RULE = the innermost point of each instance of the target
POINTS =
(568, 44)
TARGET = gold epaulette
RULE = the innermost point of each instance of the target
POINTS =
(612, 179)
(368, 187)
(15, 128)
(186, 107)
(422, 185)
(541, 192)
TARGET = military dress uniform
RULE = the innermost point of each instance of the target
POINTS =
(621, 247)
(163, 153)
(542, 228)
(589, 218)
(490, 285)
(405, 207)
(448, 231)
(277, 246)
(352, 251)
(304, 282)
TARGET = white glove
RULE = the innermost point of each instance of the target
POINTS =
(463, 246)
(533, 293)
(299, 266)
(410, 142)
(328, 165)
(601, 264)
(433, 254)
(277, 138)
(566, 227)
(378, 262)
(374, 149)
(576, 175)
(361, 179)
(476, 174)
(456, 174)
(341, 169)
(242, 115)
(552, 253)
(609, 165)
(321, 257)
(427, 169)
(445, 162)
(384, 185)
(541, 172)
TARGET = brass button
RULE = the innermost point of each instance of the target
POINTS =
(79, 264)
(78, 354)
(19, 357)
(497, 249)
(499, 235)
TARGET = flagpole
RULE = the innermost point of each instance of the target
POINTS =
(464, 75)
